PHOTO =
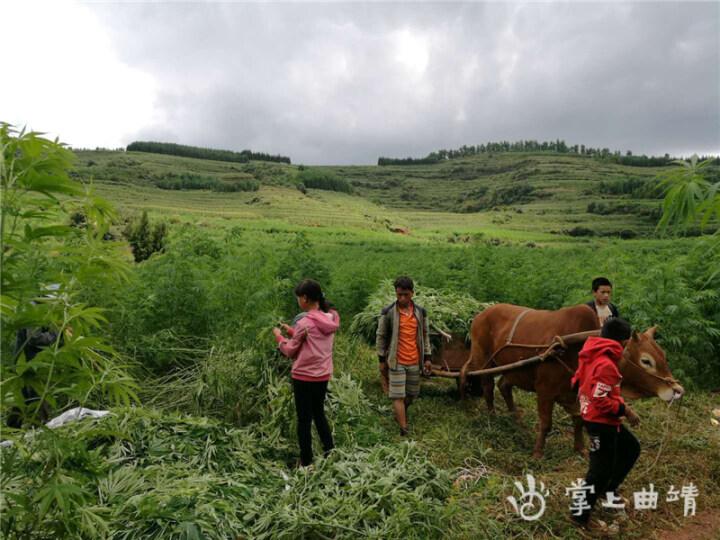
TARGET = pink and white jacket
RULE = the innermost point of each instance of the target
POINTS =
(310, 345)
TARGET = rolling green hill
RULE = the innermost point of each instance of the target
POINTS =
(534, 196)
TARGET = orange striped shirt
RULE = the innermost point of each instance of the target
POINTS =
(407, 350)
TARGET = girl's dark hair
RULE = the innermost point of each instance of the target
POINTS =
(312, 290)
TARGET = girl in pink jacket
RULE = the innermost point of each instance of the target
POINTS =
(309, 344)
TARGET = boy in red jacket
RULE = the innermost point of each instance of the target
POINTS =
(613, 448)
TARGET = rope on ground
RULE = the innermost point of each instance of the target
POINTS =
(471, 473)
(668, 420)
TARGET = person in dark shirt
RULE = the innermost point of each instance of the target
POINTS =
(601, 305)
(30, 342)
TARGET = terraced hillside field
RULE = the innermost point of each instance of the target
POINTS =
(539, 197)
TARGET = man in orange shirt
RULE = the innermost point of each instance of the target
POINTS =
(403, 347)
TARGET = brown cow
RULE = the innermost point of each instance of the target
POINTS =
(643, 366)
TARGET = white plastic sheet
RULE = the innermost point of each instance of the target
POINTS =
(71, 415)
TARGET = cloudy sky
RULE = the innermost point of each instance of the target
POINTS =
(345, 83)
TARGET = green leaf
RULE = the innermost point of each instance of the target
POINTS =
(61, 492)
(53, 230)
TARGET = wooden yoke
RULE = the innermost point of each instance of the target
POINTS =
(558, 343)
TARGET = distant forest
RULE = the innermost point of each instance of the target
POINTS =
(558, 146)
(203, 153)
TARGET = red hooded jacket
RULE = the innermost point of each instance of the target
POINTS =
(599, 380)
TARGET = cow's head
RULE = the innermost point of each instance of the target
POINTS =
(645, 369)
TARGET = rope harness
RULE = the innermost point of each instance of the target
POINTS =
(555, 349)
(552, 349)
(670, 381)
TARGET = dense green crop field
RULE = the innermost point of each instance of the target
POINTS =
(208, 449)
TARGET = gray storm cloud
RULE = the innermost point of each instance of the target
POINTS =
(345, 83)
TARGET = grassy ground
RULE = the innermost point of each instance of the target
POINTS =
(679, 446)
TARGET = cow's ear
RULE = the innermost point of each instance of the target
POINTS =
(635, 336)
(650, 332)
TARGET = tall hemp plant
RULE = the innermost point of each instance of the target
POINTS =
(690, 198)
(47, 267)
